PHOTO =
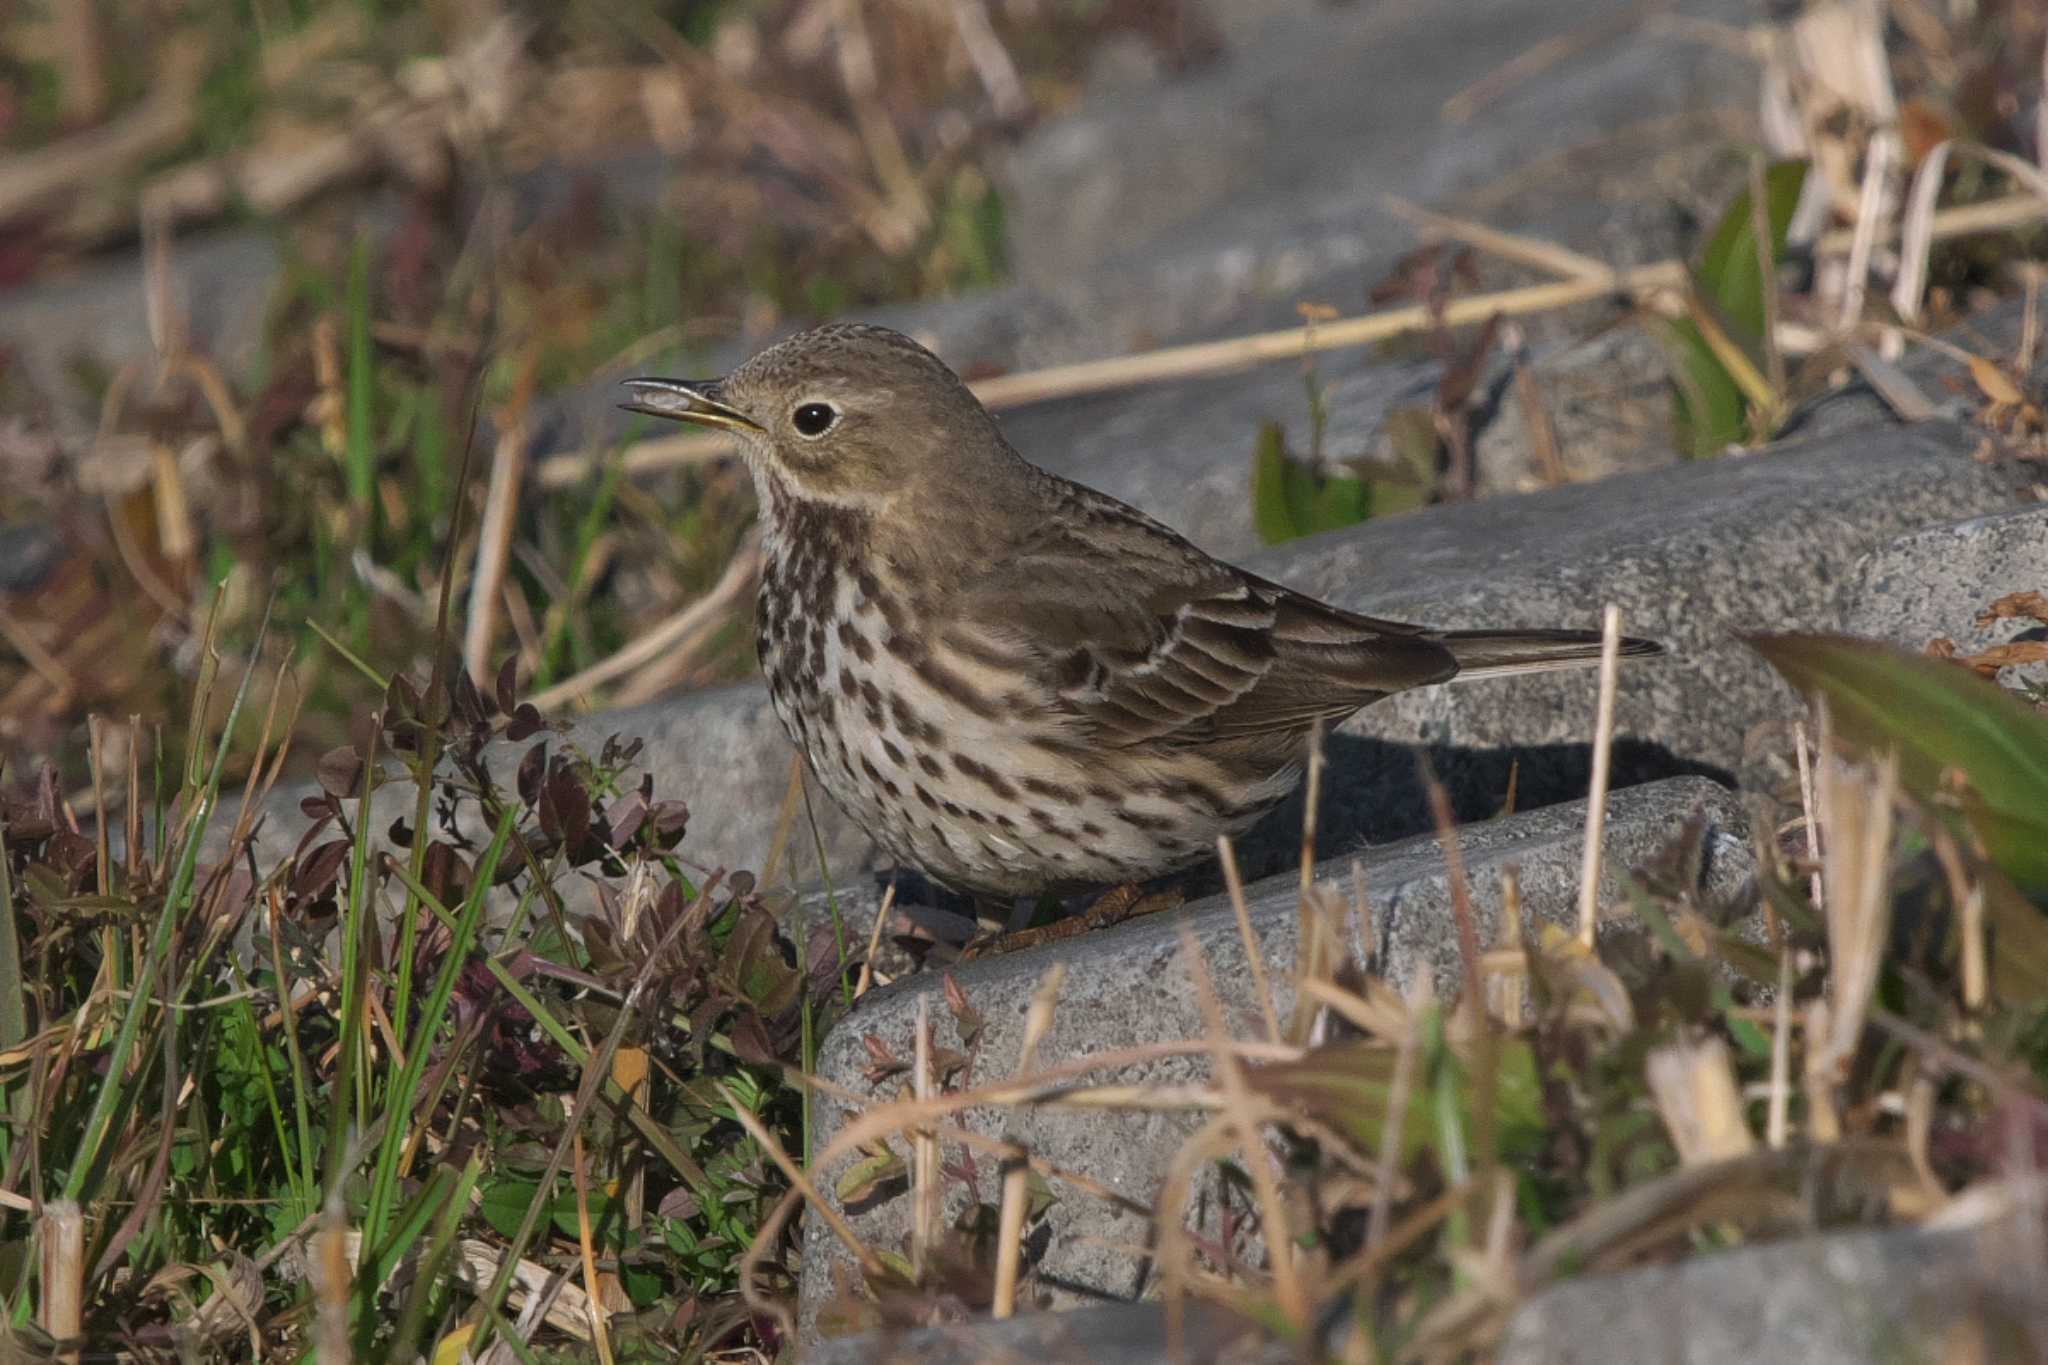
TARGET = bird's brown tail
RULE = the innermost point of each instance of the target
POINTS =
(1496, 653)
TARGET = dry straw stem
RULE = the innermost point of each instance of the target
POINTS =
(867, 963)
(683, 633)
(594, 1295)
(1693, 1087)
(494, 545)
(924, 1148)
(1254, 958)
(1645, 284)
(63, 1247)
(1856, 812)
(1596, 799)
(1010, 1237)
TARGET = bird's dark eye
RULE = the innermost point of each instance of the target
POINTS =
(812, 419)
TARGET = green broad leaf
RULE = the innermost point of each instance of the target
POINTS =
(880, 1166)
(1291, 499)
(1272, 510)
(1730, 273)
(1707, 411)
(1939, 719)
(504, 1203)
(1346, 1086)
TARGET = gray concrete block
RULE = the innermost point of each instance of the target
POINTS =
(1128, 984)
(1901, 1294)
(1126, 1333)
(1934, 581)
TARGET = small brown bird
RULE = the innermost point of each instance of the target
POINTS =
(1014, 682)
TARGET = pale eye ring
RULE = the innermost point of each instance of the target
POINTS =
(813, 419)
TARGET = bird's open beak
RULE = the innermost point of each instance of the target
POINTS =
(685, 400)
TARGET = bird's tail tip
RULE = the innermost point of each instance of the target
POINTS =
(1491, 653)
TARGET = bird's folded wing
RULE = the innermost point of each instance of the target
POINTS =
(1160, 644)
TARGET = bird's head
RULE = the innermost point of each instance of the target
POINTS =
(848, 413)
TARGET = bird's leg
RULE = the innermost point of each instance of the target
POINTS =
(1125, 901)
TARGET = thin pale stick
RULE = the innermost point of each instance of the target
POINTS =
(801, 1182)
(700, 615)
(924, 1168)
(1010, 1238)
(867, 963)
(1398, 1091)
(1240, 1112)
(1532, 251)
(1596, 799)
(493, 549)
(1254, 958)
(1777, 1120)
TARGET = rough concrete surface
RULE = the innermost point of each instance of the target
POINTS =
(1128, 984)
(1897, 1296)
(1124, 1333)
(1932, 583)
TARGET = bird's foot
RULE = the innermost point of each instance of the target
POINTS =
(1119, 903)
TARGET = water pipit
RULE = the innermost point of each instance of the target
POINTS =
(1013, 682)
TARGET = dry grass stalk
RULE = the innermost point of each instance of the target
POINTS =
(1010, 1238)
(1812, 827)
(991, 61)
(1857, 813)
(867, 963)
(494, 544)
(1399, 1090)
(1596, 798)
(1541, 253)
(63, 1271)
(1778, 1109)
(800, 1183)
(1693, 1086)
(1038, 1016)
(1916, 234)
(683, 633)
(1650, 285)
(331, 1269)
(924, 1148)
(593, 1293)
(1244, 1115)
(1508, 973)
(1254, 957)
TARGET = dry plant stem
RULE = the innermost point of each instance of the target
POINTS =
(1693, 1086)
(1512, 997)
(1916, 234)
(1777, 1121)
(1871, 205)
(801, 1183)
(1546, 255)
(867, 964)
(1399, 1090)
(1010, 1238)
(1038, 1017)
(1858, 817)
(580, 1170)
(1767, 271)
(1446, 823)
(1596, 799)
(924, 1171)
(1642, 283)
(493, 551)
(1240, 1112)
(331, 1267)
(685, 630)
(991, 62)
(1806, 803)
(63, 1247)
(1254, 959)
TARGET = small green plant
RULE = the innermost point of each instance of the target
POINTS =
(1724, 390)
